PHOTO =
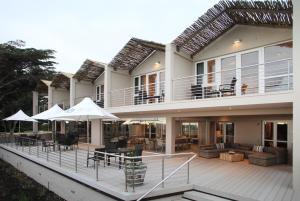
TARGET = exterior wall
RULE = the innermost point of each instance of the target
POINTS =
(60, 96)
(296, 105)
(250, 36)
(120, 80)
(64, 187)
(149, 66)
(83, 89)
(183, 66)
(98, 81)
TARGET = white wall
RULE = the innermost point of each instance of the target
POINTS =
(250, 36)
(296, 105)
(183, 66)
(149, 66)
(83, 89)
(60, 96)
(120, 80)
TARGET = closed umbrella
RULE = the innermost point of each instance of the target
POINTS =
(87, 110)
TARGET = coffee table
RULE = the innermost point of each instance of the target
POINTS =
(232, 156)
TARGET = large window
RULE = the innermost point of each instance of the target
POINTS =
(99, 93)
(249, 73)
(278, 67)
(228, 69)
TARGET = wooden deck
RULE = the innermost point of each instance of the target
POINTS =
(239, 180)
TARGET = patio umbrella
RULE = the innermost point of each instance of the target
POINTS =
(50, 115)
(87, 110)
(19, 116)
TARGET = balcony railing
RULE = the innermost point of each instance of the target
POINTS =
(275, 76)
(144, 94)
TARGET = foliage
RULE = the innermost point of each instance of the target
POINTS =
(21, 69)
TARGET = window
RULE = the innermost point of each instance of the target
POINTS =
(228, 68)
(278, 67)
(200, 73)
(100, 93)
(249, 73)
(224, 132)
(211, 71)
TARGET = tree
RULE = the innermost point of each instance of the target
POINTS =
(20, 70)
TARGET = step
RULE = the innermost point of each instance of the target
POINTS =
(199, 196)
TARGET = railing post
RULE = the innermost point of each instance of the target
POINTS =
(125, 162)
(97, 170)
(47, 157)
(22, 144)
(76, 159)
(59, 157)
(188, 173)
(163, 171)
(37, 148)
(124, 99)
(133, 175)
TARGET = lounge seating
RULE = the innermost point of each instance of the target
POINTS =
(269, 156)
(228, 89)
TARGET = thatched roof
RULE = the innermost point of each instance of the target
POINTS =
(90, 70)
(224, 15)
(133, 53)
(62, 80)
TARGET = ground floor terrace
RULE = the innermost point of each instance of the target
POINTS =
(233, 180)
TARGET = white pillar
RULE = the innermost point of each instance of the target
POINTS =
(296, 104)
(107, 86)
(170, 135)
(169, 72)
(72, 91)
(35, 110)
(96, 132)
(50, 97)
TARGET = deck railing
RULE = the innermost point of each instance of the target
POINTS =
(139, 173)
(275, 76)
(144, 94)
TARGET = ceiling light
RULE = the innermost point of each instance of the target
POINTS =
(237, 41)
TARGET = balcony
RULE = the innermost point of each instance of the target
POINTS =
(266, 78)
(139, 95)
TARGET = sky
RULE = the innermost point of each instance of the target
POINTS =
(94, 29)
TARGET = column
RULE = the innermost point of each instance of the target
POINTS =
(169, 72)
(107, 86)
(50, 99)
(96, 132)
(35, 110)
(296, 104)
(170, 135)
(72, 91)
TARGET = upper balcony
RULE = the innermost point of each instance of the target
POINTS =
(254, 79)
(139, 94)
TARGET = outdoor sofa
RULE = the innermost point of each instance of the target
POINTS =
(269, 156)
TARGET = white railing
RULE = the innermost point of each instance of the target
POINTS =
(275, 76)
(145, 94)
(138, 172)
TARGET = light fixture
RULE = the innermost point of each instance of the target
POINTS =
(157, 64)
(237, 41)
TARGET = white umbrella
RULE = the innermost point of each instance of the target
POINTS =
(50, 114)
(87, 110)
(19, 116)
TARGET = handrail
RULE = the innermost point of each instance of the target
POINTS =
(166, 178)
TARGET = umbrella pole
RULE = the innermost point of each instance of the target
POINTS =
(88, 131)
(19, 127)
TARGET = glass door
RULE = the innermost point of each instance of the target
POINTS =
(199, 73)
(276, 134)
(225, 132)
(152, 83)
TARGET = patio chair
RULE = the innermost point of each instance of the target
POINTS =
(160, 145)
(96, 157)
(140, 97)
(46, 145)
(197, 91)
(228, 88)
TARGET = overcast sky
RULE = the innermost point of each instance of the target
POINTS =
(94, 29)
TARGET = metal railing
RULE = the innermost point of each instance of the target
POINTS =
(138, 172)
(275, 76)
(144, 94)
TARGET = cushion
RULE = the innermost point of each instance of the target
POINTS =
(258, 148)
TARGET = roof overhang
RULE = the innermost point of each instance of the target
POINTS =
(133, 53)
(90, 70)
(61, 80)
(224, 15)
